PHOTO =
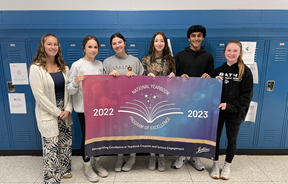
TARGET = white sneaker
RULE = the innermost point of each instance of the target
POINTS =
(225, 173)
(89, 173)
(119, 163)
(215, 170)
(99, 169)
(196, 162)
(152, 163)
(179, 162)
(129, 164)
(161, 164)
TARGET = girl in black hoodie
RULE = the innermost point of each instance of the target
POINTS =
(237, 93)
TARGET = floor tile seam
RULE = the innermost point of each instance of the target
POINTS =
(189, 173)
(260, 169)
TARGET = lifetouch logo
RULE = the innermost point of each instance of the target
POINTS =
(203, 150)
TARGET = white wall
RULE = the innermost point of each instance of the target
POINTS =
(142, 4)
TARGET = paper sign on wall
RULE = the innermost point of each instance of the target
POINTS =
(254, 70)
(251, 115)
(249, 49)
(19, 73)
(17, 103)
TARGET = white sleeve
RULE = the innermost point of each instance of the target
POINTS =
(37, 88)
(71, 86)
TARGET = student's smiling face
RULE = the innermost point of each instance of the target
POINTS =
(195, 40)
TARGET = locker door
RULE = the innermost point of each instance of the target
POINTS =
(72, 51)
(274, 102)
(216, 48)
(104, 50)
(23, 126)
(136, 48)
(4, 138)
(247, 129)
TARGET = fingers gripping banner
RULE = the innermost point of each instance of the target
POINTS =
(171, 116)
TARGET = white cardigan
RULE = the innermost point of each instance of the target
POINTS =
(46, 111)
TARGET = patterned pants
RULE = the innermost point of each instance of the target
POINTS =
(57, 152)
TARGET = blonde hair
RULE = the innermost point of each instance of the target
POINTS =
(40, 56)
(240, 61)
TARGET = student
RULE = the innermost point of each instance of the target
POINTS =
(194, 61)
(87, 65)
(237, 93)
(122, 64)
(48, 76)
(158, 62)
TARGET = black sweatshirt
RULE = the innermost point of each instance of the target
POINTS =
(236, 94)
(194, 63)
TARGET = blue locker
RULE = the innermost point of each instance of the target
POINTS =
(72, 51)
(216, 48)
(104, 50)
(22, 125)
(274, 102)
(136, 48)
(247, 129)
(4, 137)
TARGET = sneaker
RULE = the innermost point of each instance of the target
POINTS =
(161, 164)
(179, 162)
(215, 170)
(129, 164)
(119, 163)
(89, 173)
(152, 163)
(67, 175)
(225, 173)
(100, 170)
(196, 162)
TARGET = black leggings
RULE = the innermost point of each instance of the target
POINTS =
(81, 118)
(232, 129)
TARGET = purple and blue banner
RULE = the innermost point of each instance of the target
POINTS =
(171, 116)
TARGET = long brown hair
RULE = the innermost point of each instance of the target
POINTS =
(40, 56)
(166, 53)
(240, 61)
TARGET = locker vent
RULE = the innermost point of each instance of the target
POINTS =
(1, 136)
(269, 135)
(255, 57)
(24, 136)
(13, 55)
(103, 54)
(280, 54)
(73, 55)
(243, 135)
(133, 52)
(219, 56)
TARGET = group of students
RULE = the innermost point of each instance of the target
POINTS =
(53, 86)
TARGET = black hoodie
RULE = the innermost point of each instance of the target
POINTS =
(236, 94)
(194, 63)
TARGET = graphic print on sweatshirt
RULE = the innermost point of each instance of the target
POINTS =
(229, 76)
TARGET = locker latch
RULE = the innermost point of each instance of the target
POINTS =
(11, 87)
(270, 85)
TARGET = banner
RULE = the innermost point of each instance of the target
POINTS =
(171, 116)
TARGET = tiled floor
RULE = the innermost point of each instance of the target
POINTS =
(244, 170)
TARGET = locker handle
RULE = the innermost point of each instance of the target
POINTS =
(270, 85)
(11, 87)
